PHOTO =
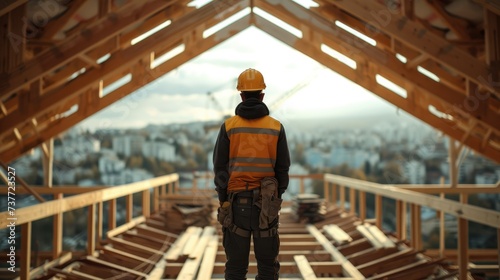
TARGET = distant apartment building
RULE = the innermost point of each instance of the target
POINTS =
(74, 150)
(128, 145)
(160, 150)
(414, 171)
(354, 158)
(315, 158)
(110, 164)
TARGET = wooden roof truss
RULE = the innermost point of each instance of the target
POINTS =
(48, 85)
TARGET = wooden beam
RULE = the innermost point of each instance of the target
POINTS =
(91, 242)
(128, 225)
(25, 266)
(337, 234)
(23, 183)
(57, 240)
(463, 243)
(417, 37)
(9, 5)
(116, 266)
(490, 5)
(62, 124)
(468, 212)
(48, 162)
(368, 53)
(455, 24)
(112, 214)
(56, 25)
(39, 271)
(492, 43)
(347, 267)
(207, 265)
(101, 30)
(50, 208)
(304, 267)
(110, 249)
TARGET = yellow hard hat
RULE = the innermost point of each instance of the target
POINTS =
(250, 80)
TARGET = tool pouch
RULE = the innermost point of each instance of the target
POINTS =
(269, 202)
(274, 209)
(225, 215)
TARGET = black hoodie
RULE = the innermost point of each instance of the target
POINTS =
(251, 108)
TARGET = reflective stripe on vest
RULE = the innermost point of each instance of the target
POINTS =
(252, 151)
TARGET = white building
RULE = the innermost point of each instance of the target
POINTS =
(160, 150)
(414, 171)
(110, 164)
(354, 158)
(128, 145)
(75, 150)
(314, 158)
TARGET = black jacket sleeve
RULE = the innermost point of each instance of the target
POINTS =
(282, 162)
(221, 164)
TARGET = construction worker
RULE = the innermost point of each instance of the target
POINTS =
(251, 163)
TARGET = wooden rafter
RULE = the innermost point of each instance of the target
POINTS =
(57, 24)
(417, 37)
(35, 98)
(92, 103)
(9, 5)
(371, 61)
(70, 48)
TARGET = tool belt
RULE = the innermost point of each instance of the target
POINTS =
(266, 198)
(268, 202)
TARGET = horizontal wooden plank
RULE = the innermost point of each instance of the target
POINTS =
(468, 212)
(50, 208)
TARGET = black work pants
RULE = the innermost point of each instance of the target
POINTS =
(237, 247)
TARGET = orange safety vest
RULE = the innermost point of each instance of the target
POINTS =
(252, 151)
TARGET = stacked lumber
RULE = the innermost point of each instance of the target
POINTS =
(309, 208)
(180, 216)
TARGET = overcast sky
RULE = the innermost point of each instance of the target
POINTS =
(181, 95)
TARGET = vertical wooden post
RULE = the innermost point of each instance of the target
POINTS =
(342, 197)
(442, 230)
(412, 225)
(156, 199)
(100, 221)
(112, 214)
(463, 244)
(176, 186)
(146, 205)
(378, 211)
(362, 206)
(91, 229)
(352, 200)
(163, 190)
(48, 162)
(170, 187)
(404, 220)
(57, 228)
(399, 220)
(498, 248)
(301, 187)
(334, 193)
(25, 251)
(453, 152)
(418, 227)
(326, 191)
(129, 205)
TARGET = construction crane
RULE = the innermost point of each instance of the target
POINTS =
(278, 102)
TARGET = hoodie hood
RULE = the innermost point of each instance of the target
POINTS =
(252, 108)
